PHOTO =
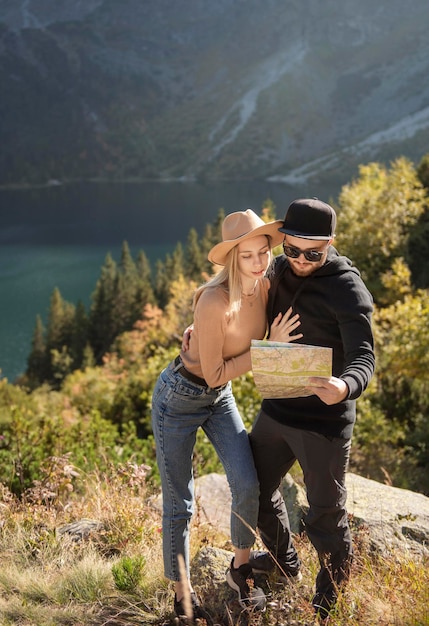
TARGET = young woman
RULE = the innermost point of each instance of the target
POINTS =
(195, 391)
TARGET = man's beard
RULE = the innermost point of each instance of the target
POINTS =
(305, 271)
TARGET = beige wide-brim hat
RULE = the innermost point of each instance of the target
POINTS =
(238, 227)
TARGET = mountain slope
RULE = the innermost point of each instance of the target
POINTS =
(232, 89)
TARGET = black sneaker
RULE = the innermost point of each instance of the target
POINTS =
(197, 610)
(263, 563)
(323, 603)
(241, 579)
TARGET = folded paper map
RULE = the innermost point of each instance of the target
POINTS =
(282, 370)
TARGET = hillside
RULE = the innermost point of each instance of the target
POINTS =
(228, 90)
(91, 555)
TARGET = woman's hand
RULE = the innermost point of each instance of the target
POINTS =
(283, 326)
(186, 338)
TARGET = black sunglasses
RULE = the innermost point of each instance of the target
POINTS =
(310, 255)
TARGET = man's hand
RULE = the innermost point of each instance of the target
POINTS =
(330, 390)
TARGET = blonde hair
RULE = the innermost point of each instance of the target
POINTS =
(230, 279)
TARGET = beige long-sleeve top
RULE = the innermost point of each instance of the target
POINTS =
(219, 348)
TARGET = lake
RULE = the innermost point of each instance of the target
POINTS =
(59, 235)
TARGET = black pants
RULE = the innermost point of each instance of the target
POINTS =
(324, 463)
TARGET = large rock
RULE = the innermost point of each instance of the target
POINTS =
(213, 501)
(396, 518)
(392, 518)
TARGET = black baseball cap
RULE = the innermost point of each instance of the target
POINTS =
(310, 218)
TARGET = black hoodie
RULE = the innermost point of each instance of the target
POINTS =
(335, 310)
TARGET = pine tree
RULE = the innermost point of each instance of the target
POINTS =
(59, 337)
(79, 338)
(194, 258)
(145, 294)
(124, 312)
(167, 273)
(177, 265)
(38, 360)
(88, 359)
(55, 331)
(212, 236)
(161, 281)
(423, 171)
(101, 324)
(418, 245)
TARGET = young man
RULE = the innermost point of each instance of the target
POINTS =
(335, 311)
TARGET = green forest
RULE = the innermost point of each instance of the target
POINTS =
(86, 393)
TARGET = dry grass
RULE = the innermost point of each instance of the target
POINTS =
(48, 579)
